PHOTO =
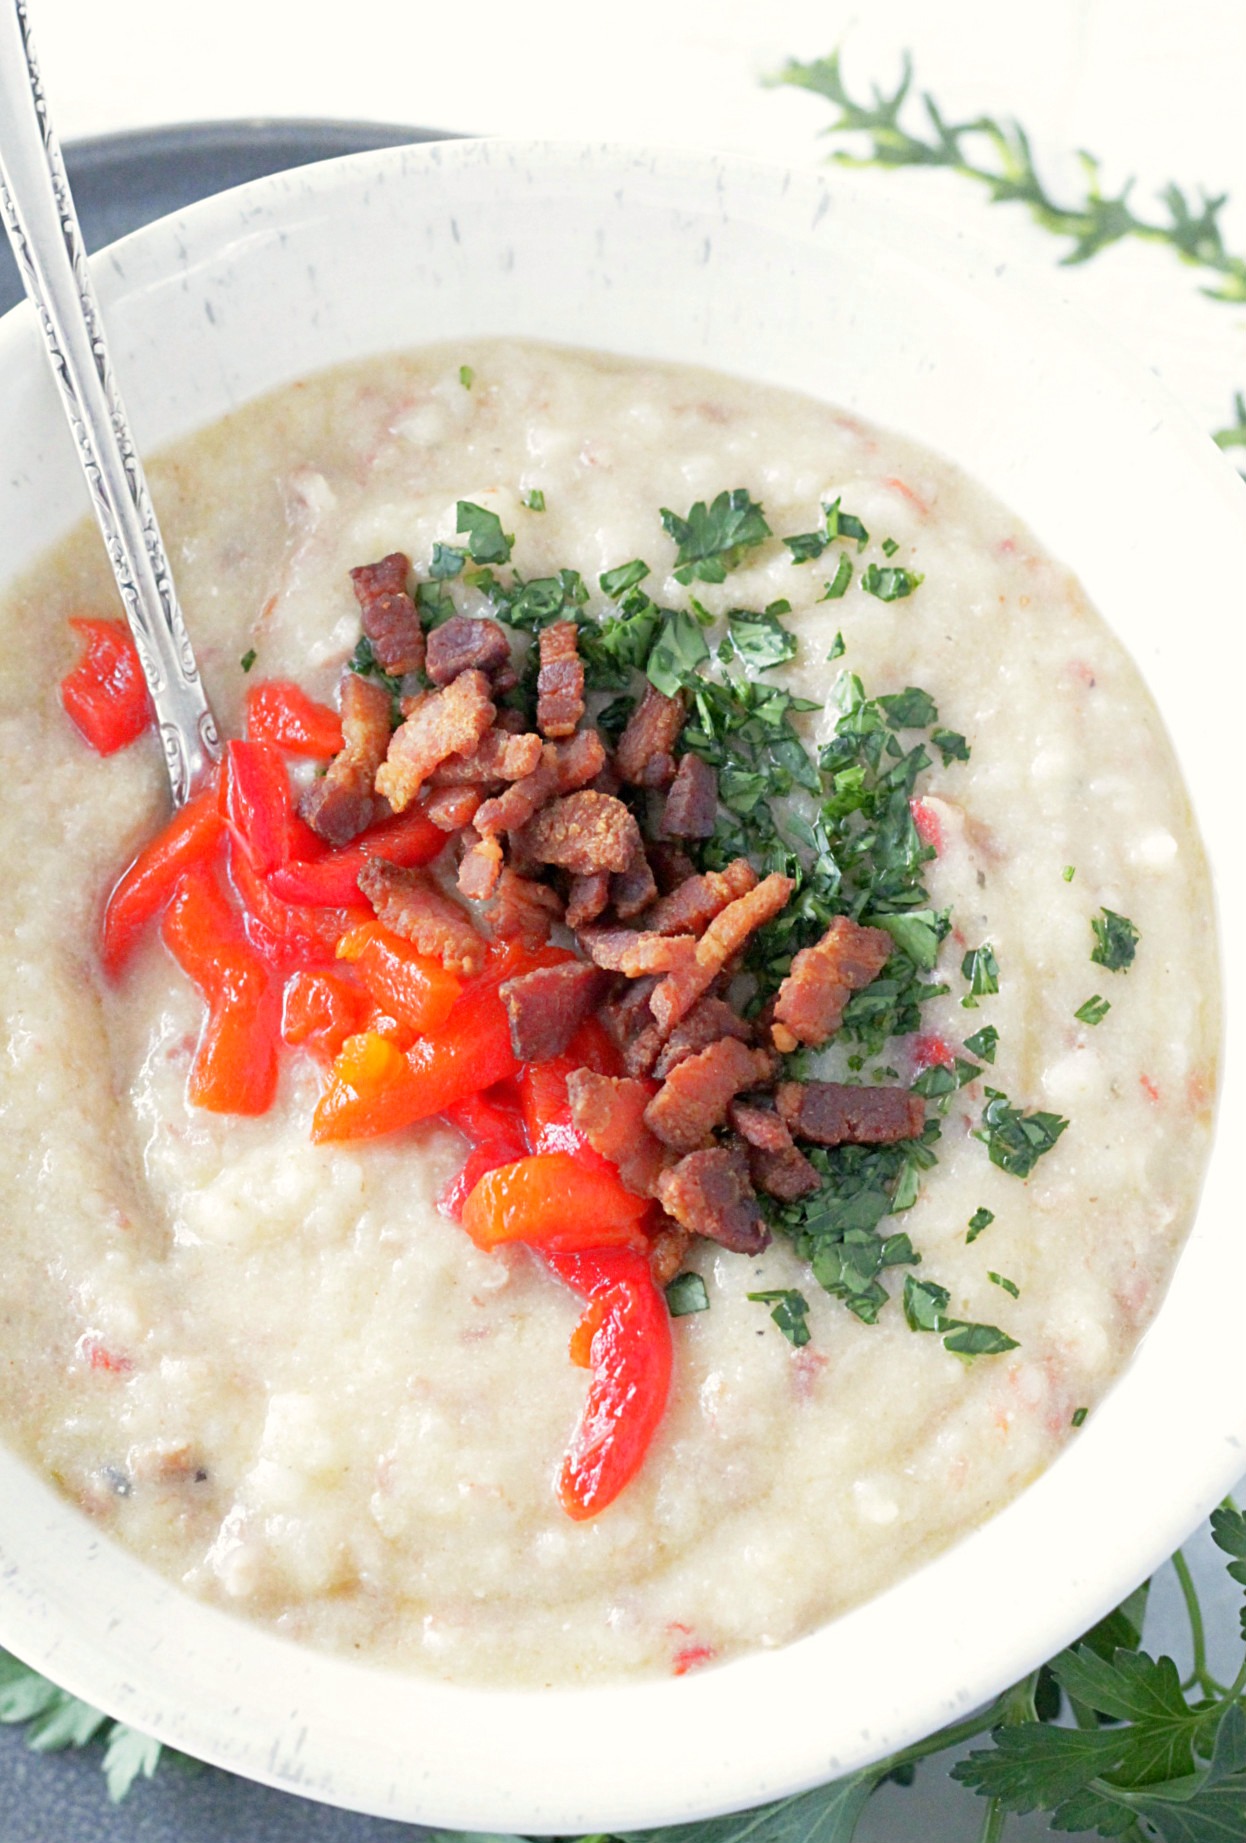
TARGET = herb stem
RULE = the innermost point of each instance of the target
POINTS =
(993, 1823)
(1194, 1613)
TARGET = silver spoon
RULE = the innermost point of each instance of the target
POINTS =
(47, 242)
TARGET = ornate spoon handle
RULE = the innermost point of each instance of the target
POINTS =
(43, 229)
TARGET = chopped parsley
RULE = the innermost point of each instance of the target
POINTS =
(713, 539)
(890, 585)
(981, 969)
(761, 640)
(837, 649)
(628, 576)
(807, 546)
(446, 562)
(925, 1308)
(248, 659)
(678, 653)
(890, 547)
(1093, 1011)
(364, 663)
(1016, 1140)
(1079, 1416)
(534, 499)
(486, 540)
(981, 1219)
(686, 1294)
(790, 1312)
(1069, 872)
(1116, 941)
(951, 745)
(466, 376)
(839, 581)
(983, 1042)
(1009, 1286)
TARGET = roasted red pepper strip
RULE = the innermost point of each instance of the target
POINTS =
(410, 986)
(630, 1356)
(105, 696)
(286, 933)
(235, 1066)
(191, 836)
(494, 1125)
(257, 808)
(332, 881)
(554, 1200)
(543, 1093)
(320, 1010)
(280, 712)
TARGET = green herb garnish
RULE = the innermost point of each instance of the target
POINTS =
(1079, 1416)
(486, 540)
(466, 376)
(837, 648)
(789, 1314)
(1009, 1286)
(686, 1294)
(1016, 1140)
(981, 969)
(1093, 1011)
(982, 1218)
(838, 582)
(890, 547)
(890, 585)
(447, 561)
(713, 539)
(248, 659)
(925, 1308)
(761, 640)
(983, 1042)
(678, 653)
(1068, 873)
(1116, 941)
(534, 499)
(627, 576)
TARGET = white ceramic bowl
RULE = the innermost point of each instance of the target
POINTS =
(797, 280)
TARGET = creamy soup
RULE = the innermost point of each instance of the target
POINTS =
(276, 1371)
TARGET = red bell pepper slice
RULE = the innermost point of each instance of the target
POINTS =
(142, 890)
(332, 881)
(554, 1200)
(494, 1125)
(105, 695)
(257, 808)
(235, 1065)
(320, 1010)
(631, 1357)
(280, 712)
(283, 932)
(410, 986)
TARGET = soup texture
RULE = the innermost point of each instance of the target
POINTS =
(279, 1372)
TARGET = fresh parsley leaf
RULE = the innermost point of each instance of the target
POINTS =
(909, 709)
(1069, 872)
(841, 524)
(128, 1755)
(761, 640)
(890, 547)
(686, 1293)
(678, 653)
(534, 499)
(951, 745)
(981, 969)
(806, 547)
(363, 661)
(712, 540)
(1093, 1011)
(966, 1340)
(925, 1308)
(983, 1042)
(1116, 941)
(486, 540)
(447, 562)
(248, 659)
(934, 1081)
(924, 1303)
(1009, 1286)
(1079, 1417)
(789, 1314)
(835, 588)
(466, 377)
(1228, 1531)
(1015, 1140)
(615, 582)
(982, 1218)
(837, 648)
(890, 585)
(916, 933)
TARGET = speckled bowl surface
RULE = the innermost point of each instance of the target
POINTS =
(801, 281)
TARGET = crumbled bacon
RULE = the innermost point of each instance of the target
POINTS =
(710, 1194)
(452, 808)
(522, 909)
(671, 866)
(610, 1112)
(692, 803)
(693, 1099)
(690, 908)
(563, 767)
(833, 1113)
(582, 832)
(411, 904)
(705, 1024)
(546, 1007)
(464, 644)
(480, 868)
(587, 898)
(388, 614)
(776, 1164)
(723, 939)
(622, 950)
(499, 756)
(811, 1000)
(630, 1022)
(643, 755)
(340, 805)
(667, 1250)
(632, 890)
(560, 681)
(441, 723)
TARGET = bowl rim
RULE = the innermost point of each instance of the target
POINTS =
(358, 1763)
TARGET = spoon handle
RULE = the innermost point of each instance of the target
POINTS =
(43, 229)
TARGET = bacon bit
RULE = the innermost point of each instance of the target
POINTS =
(710, 1194)
(693, 1099)
(926, 821)
(931, 1051)
(622, 950)
(560, 681)
(563, 767)
(582, 832)
(723, 939)
(692, 906)
(632, 890)
(1149, 1088)
(480, 869)
(667, 1250)
(643, 755)
(811, 1000)
(523, 910)
(442, 723)
(452, 809)
(463, 644)
(387, 614)
(610, 1112)
(339, 806)
(834, 1113)
(412, 905)
(499, 756)
(705, 1024)
(589, 896)
(547, 1006)
(692, 803)
(692, 1657)
(630, 1023)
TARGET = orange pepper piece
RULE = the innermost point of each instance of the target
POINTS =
(320, 1011)
(554, 1200)
(413, 988)
(235, 1065)
(144, 888)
